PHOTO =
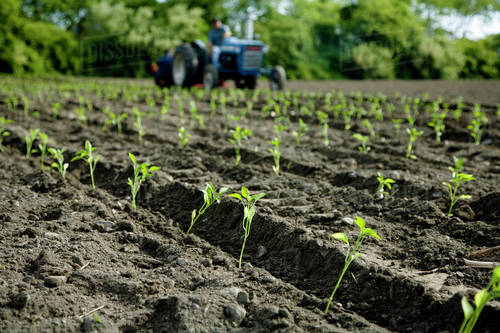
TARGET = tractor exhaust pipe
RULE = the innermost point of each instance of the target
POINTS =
(249, 19)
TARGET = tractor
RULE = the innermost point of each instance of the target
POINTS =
(240, 60)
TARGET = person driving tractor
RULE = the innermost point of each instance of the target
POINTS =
(216, 36)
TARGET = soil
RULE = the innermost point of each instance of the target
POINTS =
(74, 259)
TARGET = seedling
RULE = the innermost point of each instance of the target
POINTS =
(3, 131)
(323, 120)
(114, 120)
(276, 154)
(437, 124)
(458, 111)
(56, 107)
(88, 156)
(141, 172)
(210, 196)
(238, 135)
(414, 134)
(42, 146)
(184, 137)
(397, 125)
(165, 107)
(364, 140)
(59, 157)
(29, 141)
(471, 314)
(352, 251)
(369, 126)
(383, 183)
(280, 128)
(301, 131)
(81, 116)
(248, 202)
(457, 179)
(498, 111)
(138, 122)
(476, 127)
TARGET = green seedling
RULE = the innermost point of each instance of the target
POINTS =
(397, 125)
(81, 116)
(369, 126)
(276, 154)
(56, 107)
(414, 134)
(138, 122)
(364, 140)
(383, 183)
(59, 164)
(26, 105)
(437, 124)
(114, 120)
(248, 202)
(498, 111)
(213, 106)
(347, 114)
(165, 107)
(457, 179)
(42, 146)
(210, 196)
(30, 139)
(141, 172)
(457, 113)
(87, 155)
(471, 314)
(352, 251)
(3, 131)
(477, 125)
(239, 134)
(323, 120)
(409, 116)
(303, 128)
(184, 137)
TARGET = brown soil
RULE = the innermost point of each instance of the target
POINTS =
(67, 250)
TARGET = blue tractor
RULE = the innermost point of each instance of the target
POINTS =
(240, 60)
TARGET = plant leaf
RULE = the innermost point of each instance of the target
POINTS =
(467, 308)
(132, 157)
(236, 195)
(341, 236)
(244, 192)
(371, 232)
(481, 298)
(360, 222)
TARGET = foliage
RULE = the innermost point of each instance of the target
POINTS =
(239, 134)
(457, 179)
(352, 251)
(383, 183)
(210, 196)
(471, 314)
(3, 131)
(141, 172)
(59, 164)
(30, 139)
(87, 155)
(248, 202)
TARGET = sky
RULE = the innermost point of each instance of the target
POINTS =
(474, 27)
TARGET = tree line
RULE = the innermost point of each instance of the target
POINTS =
(312, 39)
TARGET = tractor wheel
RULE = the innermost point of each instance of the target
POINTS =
(185, 66)
(210, 77)
(278, 78)
(247, 82)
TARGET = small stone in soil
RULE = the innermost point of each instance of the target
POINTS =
(235, 313)
(261, 251)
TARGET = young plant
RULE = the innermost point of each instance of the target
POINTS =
(239, 134)
(3, 131)
(383, 183)
(471, 314)
(301, 131)
(30, 139)
(364, 140)
(184, 137)
(248, 202)
(59, 164)
(369, 126)
(323, 120)
(210, 196)
(457, 113)
(457, 179)
(397, 125)
(276, 154)
(476, 127)
(414, 134)
(114, 120)
(42, 146)
(138, 122)
(81, 116)
(437, 124)
(141, 172)
(352, 251)
(88, 156)
(56, 107)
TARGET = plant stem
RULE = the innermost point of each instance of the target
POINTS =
(346, 266)
(242, 249)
